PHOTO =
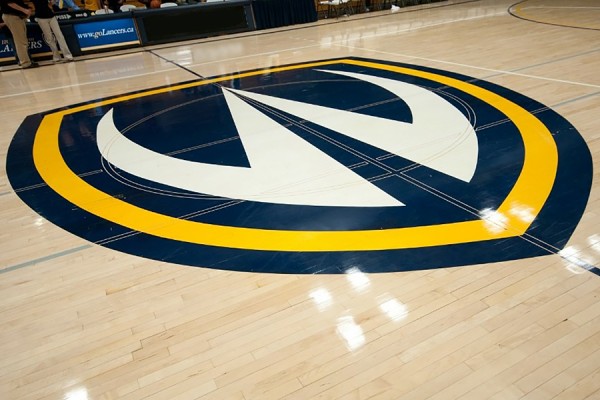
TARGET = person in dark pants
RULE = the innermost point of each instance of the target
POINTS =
(114, 5)
(14, 14)
(48, 23)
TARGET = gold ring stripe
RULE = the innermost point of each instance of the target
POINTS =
(530, 191)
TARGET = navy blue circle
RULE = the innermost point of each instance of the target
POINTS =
(430, 197)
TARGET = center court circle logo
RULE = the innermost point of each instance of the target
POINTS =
(319, 167)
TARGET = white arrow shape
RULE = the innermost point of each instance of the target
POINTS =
(440, 137)
(284, 168)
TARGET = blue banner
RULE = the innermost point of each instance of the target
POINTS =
(105, 34)
(7, 51)
(37, 46)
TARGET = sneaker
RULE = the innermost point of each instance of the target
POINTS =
(59, 61)
(70, 59)
(31, 65)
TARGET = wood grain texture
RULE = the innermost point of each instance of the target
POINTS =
(80, 321)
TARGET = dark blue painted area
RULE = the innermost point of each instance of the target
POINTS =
(335, 91)
(562, 211)
(194, 124)
(32, 190)
(19, 159)
(27, 183)
(500, 160)
(425, 209)
(70, 217)
(189, 130)
(564, 208)
(329, 262)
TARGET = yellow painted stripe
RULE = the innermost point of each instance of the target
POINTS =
(530, 191)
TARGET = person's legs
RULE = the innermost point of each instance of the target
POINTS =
(17, 27)
(61, 39)
(49, 38)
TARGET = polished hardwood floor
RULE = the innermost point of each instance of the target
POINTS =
(81, 321)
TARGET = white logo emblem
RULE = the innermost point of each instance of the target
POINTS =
(285, 169)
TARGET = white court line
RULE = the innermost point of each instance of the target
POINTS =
(362, 37)
(86, 83)
(375, 35)
(498, 71)
(340, 43)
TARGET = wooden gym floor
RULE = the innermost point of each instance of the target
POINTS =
(83, 317)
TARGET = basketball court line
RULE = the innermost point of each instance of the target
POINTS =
(556, 60)
(498, 72)
(531, 239)
(571, 258)
(559, 7)
(176, 64)
(98, 82)
(339, 42)
(576, 99)
(516, 9)
(49, 257)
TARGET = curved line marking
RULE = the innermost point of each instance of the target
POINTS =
(294, 172)
(516, 10)
(446, 143)
(530, 191)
